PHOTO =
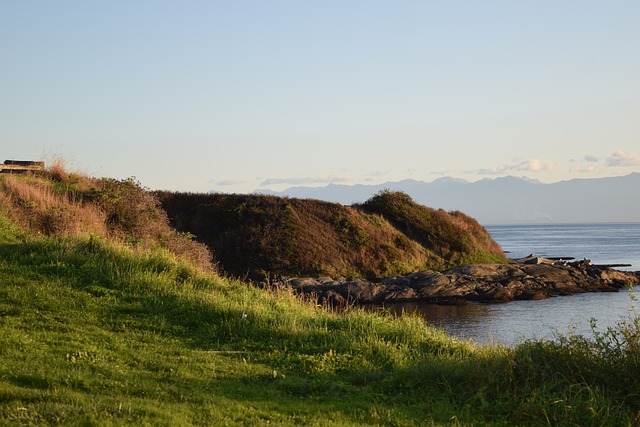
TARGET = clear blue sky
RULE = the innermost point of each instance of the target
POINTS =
(240, 95)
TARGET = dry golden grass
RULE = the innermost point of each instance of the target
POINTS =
(59, 203)
(57, 170)
(35, 205)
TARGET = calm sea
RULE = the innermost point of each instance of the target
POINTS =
(518, 320)
(601, 243)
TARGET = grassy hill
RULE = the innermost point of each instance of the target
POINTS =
(257, 235)
(126, 327)
(62, 204)
(252, 235)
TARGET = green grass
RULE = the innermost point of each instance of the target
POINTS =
(94, 333)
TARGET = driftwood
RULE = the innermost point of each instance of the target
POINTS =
(611, 265)
(531, 259)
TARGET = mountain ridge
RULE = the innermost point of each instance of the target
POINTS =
(504, 200)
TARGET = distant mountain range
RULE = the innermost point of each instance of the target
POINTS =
(507, 200)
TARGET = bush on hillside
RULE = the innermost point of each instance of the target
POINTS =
(33, 203)
(58, 203)
(456, 237)
(258, 236)
(255, 235)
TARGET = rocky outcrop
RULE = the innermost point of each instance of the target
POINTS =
(487, 283)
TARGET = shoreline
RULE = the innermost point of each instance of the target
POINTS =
(531, 278)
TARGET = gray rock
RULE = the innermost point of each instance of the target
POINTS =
(475, 282)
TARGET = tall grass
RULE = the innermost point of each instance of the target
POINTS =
(68, 204)
(106, 324)
(57, 170)
(95, 332)
(37, 206)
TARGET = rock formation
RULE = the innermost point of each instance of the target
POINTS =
(486, 283)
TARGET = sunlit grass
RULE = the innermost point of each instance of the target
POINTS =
(98, 333)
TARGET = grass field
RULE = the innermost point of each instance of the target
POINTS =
(97, 333)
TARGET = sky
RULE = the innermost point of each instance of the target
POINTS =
(238, 96)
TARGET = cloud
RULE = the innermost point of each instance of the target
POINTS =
(588, 169)
(620, 158)
(492, 171)
(305, 180)
(533, 165)
(375, 175)
(591, 159)
(229, 182)
(588, 164)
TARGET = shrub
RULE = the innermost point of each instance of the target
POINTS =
(33, 204)
(119, 209)
(455, 237)
(254, 235)
(57, 171)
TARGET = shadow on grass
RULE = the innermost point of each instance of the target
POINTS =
(279, 360)
(314, 365)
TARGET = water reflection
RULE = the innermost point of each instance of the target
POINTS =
(515, 321)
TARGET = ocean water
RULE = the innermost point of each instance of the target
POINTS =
(515, 321)
(601, 243)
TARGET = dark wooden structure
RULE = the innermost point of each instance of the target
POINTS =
(21, 166)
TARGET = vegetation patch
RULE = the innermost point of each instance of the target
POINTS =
(60, 203)
(96, 332)
(256, 236)
(117, 329)
(457, 238)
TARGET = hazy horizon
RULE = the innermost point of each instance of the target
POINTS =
(441, 178)
(242, 95)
